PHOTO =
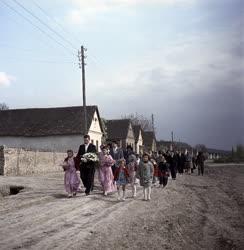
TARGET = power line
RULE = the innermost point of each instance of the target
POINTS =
(61, 27)
(55, 21)
(25, 51)
(40, 61)
(43, 23)
(48, 60)
(37, 27)
(94, 58)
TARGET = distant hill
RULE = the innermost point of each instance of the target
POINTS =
(218, 151)
(178, 145)
(183, 145)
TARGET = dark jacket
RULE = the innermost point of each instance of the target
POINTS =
(163, 169)
(91, 149)
(173, 162)
(116, 155)
(200, 160)
(182, 160)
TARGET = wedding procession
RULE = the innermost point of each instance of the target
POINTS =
(121, 125)
(118, 168)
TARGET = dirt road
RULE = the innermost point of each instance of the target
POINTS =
(190, 213)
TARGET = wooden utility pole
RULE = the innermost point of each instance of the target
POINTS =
(172, 138)
(81, 56)
(153, 127)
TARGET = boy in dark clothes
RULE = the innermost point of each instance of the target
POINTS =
(163, 171)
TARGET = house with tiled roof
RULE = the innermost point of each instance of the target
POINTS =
(120, 130)
(138, 138)
(55, 129)
(149, 141)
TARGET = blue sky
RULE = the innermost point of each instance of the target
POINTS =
(179, 59)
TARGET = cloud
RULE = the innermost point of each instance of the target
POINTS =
(185, 66)
(194, 86)
(5, 79)
(85, 10)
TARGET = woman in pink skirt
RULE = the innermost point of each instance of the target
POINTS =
(71, 179)
(106, 177)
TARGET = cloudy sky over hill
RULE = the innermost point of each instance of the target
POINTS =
(179, 59)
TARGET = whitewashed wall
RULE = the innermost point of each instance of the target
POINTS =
(47, 143)
(95, 132)
(154, 146)
(130, 139)
(139, 143)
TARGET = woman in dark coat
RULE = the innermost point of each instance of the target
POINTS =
(200, 163)
(181, 162)
(173, 165)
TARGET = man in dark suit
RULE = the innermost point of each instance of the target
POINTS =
(87, 169)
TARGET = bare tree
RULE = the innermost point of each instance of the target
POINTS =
(3, 106)
(201, 147)
(105, 134)
(145, 123)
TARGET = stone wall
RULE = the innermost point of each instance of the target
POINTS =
(18, 162)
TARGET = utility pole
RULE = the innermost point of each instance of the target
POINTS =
(172, 138)
(153, 128)
(81, 56)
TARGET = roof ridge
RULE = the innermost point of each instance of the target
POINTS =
(43, 108)
(127, 119)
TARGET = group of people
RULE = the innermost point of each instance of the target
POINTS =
(118, 168)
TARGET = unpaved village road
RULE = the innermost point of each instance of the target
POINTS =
(190, 213)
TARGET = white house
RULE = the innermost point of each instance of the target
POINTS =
(49, 129)
(149, 141)
(120, 130)
(138, 139)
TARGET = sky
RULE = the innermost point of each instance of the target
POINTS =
(181, 60)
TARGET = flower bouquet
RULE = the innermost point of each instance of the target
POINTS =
(89, 157)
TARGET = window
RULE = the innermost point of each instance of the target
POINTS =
(92, 141)
(97, 144)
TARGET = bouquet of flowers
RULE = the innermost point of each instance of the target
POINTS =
(89, 157)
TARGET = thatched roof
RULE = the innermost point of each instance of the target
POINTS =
(117, 129)
(148, 137)
(45, 121)
(136, 130)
